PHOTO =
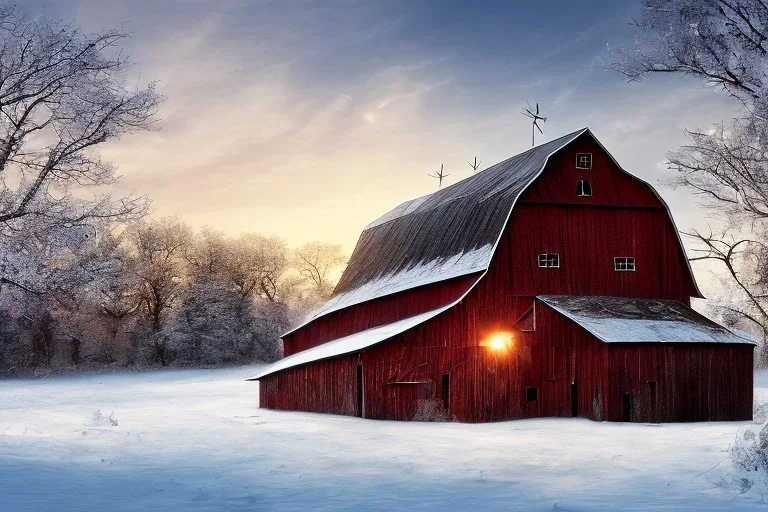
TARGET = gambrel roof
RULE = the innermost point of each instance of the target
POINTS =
(450, 233)
(633, 320)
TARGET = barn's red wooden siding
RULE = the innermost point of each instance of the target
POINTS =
(377, 312)
(694, 382)
(329, 386)
(623, 218)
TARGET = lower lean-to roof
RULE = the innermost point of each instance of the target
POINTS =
(349, 344)
(633, 320)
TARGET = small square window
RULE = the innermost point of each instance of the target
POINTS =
(583, 160)
(531, 394)
(624, 264)
(549, 260)
(584, 188)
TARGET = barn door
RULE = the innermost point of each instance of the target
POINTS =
(360, 390)
(627, 407)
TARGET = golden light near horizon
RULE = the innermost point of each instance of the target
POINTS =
(498, 341)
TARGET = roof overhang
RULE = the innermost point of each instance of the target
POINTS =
(351, 344)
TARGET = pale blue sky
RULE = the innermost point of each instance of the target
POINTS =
(309, 119)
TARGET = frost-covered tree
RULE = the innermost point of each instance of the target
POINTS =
(259, 265)
(63, 94)
(723, 43)
(159, 248)
(224, 313)
(215, 325)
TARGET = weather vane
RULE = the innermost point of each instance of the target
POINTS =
(439, 175)
(536, 118)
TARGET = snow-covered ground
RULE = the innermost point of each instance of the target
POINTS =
(196, 440)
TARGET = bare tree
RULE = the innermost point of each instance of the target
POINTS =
(159, 248)
(258, 266)
(733, 253)
(63, 93)
(722, 43)
(317, 262)
(727, 168)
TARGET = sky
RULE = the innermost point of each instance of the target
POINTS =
(309, 119)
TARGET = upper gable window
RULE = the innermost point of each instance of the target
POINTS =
(549, 260)
(583, 160)
(584, 188)
(624, 264)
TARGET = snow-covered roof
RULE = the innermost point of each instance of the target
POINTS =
(430, 272)
(450, 233)
(349, 344)
(633, 320)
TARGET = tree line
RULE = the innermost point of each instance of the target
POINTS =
(156, 293)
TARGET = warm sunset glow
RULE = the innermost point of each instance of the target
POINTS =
(499, 341)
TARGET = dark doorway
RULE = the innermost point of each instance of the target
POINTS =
(360, 402)
(445, 382)
(574, 399)
(532, 394)
(627, 407)
(652, 394)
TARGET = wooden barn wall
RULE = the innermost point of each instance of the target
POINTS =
(610, 185)
(623, 217)
(587, 240)
(328, 386)
(701, 382)
(402, 376)
(376, 312)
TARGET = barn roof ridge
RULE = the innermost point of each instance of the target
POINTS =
(386, 217)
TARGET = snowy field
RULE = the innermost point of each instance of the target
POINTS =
(196, 441)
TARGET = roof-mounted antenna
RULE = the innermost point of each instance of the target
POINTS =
(528, 112)
(439, 175)
(475, 164)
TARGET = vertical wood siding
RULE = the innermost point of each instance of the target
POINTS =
(376, 312)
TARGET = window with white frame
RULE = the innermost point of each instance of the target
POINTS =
(584, 188)
(584, 161)
(549, 260)
(624, 264)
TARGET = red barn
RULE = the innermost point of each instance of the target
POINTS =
(553, 283)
